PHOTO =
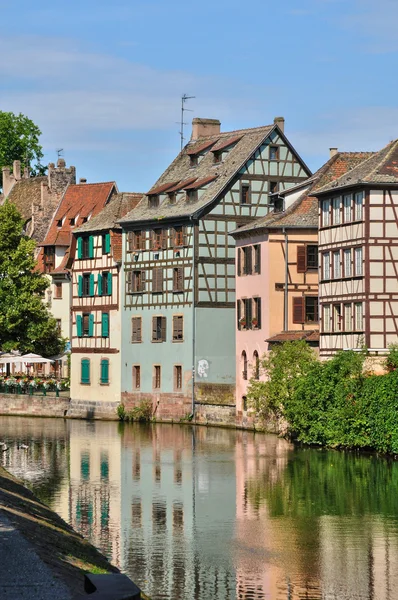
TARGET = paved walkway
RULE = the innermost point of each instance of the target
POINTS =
(23, 575)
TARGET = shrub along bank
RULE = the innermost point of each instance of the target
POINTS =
(332, 403)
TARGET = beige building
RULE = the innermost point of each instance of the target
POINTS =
(358, 247)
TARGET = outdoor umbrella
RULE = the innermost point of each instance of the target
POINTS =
(34, 358)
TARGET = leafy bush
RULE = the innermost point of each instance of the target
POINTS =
(121, 412)
(142, 412)
(392, 358)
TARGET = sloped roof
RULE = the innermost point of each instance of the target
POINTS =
(181, 170)
(26, 192)
(118, 206)
(380, 167)
(304, 211)
(79, 202)
(292, 336)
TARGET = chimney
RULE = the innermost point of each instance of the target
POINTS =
(333, 152)
(280, 121)
(8, 181)
(82, 180)
(16, 169)
(204, 127)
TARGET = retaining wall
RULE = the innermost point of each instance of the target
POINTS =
(33, 406)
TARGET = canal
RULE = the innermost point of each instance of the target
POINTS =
(200, 513)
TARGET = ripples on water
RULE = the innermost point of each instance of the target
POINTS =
(217, 514)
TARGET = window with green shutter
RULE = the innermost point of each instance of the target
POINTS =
(105, 325)
(91, 325)
(79, 247)
(79, 325)
(91, 293)
(85, 371)
(110, 284)
(104, 371)
(91, 246)
(80, 286)
(106, 243)
(99, 284)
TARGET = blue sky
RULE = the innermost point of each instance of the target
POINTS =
(103, 80)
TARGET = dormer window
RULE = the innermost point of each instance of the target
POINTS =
(217, 157)
(172, 198)
(273, 187)
(84, 220)
(279, 205)
(193, 160)
(59, 222)
(153, 201)
(192, 195)
(274, 152)
(72, 221)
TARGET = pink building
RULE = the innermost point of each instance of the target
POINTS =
(277, 274)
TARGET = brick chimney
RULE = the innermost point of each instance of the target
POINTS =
(204, 127)
(280, 121)
(333, 152)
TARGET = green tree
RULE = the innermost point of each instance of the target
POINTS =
(19, 140)
(282, 367)
(25, 322)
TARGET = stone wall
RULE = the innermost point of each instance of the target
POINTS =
(33, 406)
(87, 409)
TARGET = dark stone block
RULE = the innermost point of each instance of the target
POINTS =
(111, 586)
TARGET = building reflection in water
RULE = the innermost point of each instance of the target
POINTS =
(211, 513)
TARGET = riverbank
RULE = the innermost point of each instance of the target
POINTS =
(67, 554)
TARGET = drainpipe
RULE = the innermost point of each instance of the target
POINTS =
(286, 289)
(193, 316)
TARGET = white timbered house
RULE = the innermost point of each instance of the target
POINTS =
(96, 327)
(358, 250)
(179, 267)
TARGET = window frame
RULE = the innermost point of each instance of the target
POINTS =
(136, 377)
(157, 377)
(138, 330)
(178, 332)
(245, 194)
(308, 300)
(177, 378)
(358, 264)
(88, 362)
(102, 362)
(161, 329)
(273, 152)
(310, 266)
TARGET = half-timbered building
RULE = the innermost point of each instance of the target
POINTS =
(358, 249)
(179, 265)
(78, 205)
(96, 319)
(277, 274)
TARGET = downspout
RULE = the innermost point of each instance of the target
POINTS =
(193, 318)
(286, 289)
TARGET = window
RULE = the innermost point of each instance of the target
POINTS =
(72, 221)
(336, 211)
(279, 204)
(85, 371)
(347, 317)
(312, 257)
(326, 265)
(87, 247)
(273, 153)
(273, 187)
(178, 328)
(307, 258)
(86, 284)
(311, 309)
(247, 260)
(217, 156)
(172, 197)
(347, 262)
(178, 237)
(105, 325)
(244, 365)
(135, 281)
(358, 316)
(347, 208)
(104, 368)
(192, 195)
(358, 206)
(136, 240)
(158, 329)
(158, 239)
(58, 326)
(106, 243)
(59, 222)
(136, 377)
(336, 265)
(257, 258)
(256, 319)
(177, 377)
(49, 259)
(358, 262)
(246, 321)
(193, 160)
(157, 377)
(336, 317)
(325, 213)
(153, 201)
(136, 330)
(256, 365)
(326, 317)
(157, 280)
(245, 193)
(58, 290)
(178, 279)
(86, 324)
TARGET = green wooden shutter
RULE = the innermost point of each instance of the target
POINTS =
(79, 325)
(109, 284)
(79, 247)
(91, 284)
(80, 286)
(91, 325)
(91, 246)
(107, 242)
(85, 371)
(105, 325)
(104, 370)
(99, 285)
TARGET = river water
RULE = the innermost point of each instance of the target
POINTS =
(206, 513)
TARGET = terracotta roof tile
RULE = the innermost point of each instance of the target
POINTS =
(293, 336)
(182, 185)
(221, 144)
(118, 206)
(162, 188)
(198, 148)
(198, 183)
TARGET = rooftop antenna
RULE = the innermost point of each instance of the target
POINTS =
(59, 151)
(184, 98)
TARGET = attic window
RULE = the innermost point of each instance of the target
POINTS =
(273, 187)
(192, 195)
(193, 160)
(59, 222)
(153, 201)
(72, 221)
(217, 156)
(274, 152)
(279, 204)
(84, 220)
(172, 198)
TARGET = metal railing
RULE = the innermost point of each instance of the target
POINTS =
(33, 388)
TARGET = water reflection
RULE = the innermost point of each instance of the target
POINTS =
(205, 513)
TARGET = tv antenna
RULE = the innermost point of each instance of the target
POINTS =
(59, 151)
(184, 98)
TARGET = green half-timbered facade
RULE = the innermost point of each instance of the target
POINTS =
(178, 280)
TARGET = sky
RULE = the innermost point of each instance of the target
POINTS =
(103, 80)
